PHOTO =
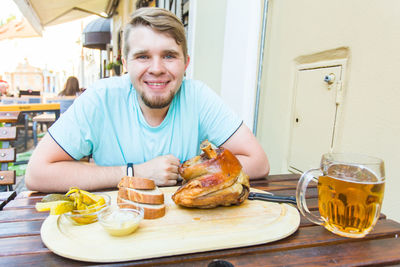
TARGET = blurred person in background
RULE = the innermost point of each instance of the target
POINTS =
(71, 87)
(3, 86)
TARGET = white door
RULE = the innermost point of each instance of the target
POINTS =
(314, 114)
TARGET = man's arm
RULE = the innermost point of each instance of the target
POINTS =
(51, 169)
(244, 145)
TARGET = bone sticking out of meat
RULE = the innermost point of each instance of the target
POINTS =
(208, 150)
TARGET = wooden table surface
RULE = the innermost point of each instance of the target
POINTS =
(21, 245)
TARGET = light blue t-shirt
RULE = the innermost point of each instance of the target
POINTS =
(107, 122)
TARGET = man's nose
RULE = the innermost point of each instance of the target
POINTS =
(157, 66)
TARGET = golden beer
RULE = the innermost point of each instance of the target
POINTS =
(349, 199)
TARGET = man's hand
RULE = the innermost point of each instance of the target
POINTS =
(163, 170)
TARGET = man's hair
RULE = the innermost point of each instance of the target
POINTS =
(160, 20)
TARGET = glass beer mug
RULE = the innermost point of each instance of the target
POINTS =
(350, 193)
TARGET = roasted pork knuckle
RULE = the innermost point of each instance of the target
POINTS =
(214, 178)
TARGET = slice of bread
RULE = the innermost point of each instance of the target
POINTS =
(137, 183)
(150, 211)
(154, 196)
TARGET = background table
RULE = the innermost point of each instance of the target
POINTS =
(20, 242)
(52, 107)
(32, 108)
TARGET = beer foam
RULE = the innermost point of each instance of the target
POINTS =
(354, 173)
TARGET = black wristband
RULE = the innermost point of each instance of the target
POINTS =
(129, 170)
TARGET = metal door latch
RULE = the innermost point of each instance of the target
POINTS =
(330, 78)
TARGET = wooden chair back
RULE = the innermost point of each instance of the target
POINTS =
(8, 133)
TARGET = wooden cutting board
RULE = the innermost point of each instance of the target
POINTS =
(180, 231)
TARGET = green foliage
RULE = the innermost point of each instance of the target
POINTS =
(111, 65)
(7, 20)
(11, 18)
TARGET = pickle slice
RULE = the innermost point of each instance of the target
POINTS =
(55, 207)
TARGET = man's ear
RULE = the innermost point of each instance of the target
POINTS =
(187, 62)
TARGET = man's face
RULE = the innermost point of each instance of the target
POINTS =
(156, 66)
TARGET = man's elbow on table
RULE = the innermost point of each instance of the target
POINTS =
(256, 165)
(263, 168)
(266, 169)
(39, 173)
(39, 177)
(31, 178)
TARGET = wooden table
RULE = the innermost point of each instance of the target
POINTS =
(21, 245)
(38, 107)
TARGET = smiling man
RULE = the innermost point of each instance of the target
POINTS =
(151, 119)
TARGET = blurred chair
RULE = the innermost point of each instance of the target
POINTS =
(65, 102)
(32, 99)
(49, 118)
(7, 100)
(7, 154)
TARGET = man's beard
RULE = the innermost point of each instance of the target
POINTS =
(157, 102)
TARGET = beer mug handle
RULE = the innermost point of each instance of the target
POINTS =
(302, 185)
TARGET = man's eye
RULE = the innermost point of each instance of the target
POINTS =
(142, 57)
(169, 56)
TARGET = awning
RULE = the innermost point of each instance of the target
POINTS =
(41, 13)
(97, 34)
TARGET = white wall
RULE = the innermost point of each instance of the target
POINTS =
(223, 44)
(206, 41)
(369, 121)
(240, 66)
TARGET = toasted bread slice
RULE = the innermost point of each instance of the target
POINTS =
(137, 183)
(150, 211)
(154, 196)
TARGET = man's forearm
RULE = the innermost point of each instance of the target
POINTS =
(60, 176)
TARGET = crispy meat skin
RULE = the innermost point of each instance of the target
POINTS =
(200, 165)
(214, 182)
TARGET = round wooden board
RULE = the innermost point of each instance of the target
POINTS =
(180, 231)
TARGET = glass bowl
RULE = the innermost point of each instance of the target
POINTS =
(120, 221)
(82, 217)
